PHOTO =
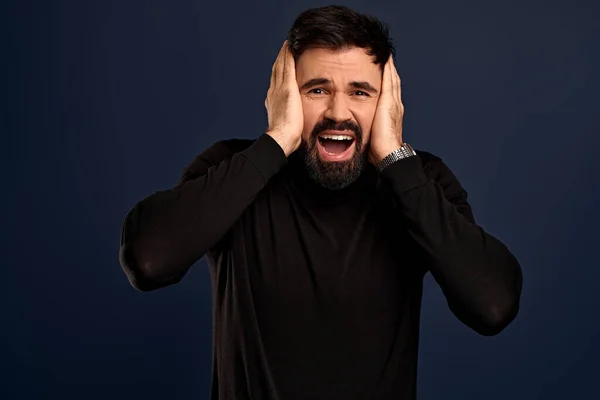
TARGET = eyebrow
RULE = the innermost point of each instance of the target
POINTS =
(361, 85)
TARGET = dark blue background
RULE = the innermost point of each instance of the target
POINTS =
(107, 101)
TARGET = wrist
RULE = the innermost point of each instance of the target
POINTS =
(401, 152)
(381, 154)
(283, 141)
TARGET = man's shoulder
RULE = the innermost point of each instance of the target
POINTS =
(213, 155)
(434, 166)
(224, 149)
(427, 158)
(231, 146)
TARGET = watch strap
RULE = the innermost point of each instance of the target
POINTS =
(403, 151)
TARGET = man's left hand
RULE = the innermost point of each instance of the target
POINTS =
(386, 131)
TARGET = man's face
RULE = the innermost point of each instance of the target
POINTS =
(339, 91)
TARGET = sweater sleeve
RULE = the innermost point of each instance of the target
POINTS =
(167, 232)
(479, 276)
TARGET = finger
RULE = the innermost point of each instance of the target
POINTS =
(276, 62)
(387, 84)
(273, 75)
(398, 84)
(396, 74)
(289, 67)
(282, 63)
(277, 68)
(394, 78)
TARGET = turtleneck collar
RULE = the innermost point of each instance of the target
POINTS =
(365, 184)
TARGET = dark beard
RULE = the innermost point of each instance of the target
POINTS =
(328, 174)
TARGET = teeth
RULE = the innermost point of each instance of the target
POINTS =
(336, 137)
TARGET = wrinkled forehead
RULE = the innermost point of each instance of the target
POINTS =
(338, 66)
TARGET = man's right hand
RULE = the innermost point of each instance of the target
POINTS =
(283, 103)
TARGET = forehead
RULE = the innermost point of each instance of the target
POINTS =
(337, 65)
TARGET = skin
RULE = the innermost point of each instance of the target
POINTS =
(338, 100)
(320, 94)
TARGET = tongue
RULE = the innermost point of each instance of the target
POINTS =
(335, 146)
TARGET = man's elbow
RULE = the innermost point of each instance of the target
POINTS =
(141, 273)
(503, 306)
(498, 316)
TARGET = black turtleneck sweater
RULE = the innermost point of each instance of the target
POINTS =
(316, 293)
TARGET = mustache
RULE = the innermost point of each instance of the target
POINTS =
(331, 125)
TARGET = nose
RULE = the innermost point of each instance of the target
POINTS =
(337, 108)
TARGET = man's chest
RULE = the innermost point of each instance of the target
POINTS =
(344, 255)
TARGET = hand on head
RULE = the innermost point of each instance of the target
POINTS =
(283, 103)
(285, 113)
(386, 131)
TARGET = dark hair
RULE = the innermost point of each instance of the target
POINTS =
(338, 28)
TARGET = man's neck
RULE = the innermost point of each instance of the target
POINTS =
(305, 184)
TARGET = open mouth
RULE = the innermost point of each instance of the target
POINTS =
(335, 144)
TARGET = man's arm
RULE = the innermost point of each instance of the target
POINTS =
(167, 232)
(478, 275)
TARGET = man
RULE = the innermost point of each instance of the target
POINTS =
(319, 232)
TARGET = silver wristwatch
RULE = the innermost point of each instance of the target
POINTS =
(404, 151)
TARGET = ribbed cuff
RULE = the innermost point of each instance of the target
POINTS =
(405, 174)
(266, 155)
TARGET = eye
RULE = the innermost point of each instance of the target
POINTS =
(361, 93)
(316, 91)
